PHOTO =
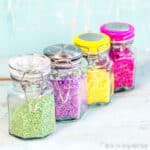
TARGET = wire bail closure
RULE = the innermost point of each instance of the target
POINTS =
(25, 84)
(64, 99)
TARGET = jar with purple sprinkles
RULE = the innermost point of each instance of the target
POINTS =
(69, 81)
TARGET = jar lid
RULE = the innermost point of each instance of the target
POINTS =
(63, 55)
(29, 67)
(118, 31)
(92, 42)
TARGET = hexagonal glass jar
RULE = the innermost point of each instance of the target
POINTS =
(121, 53)
(69, 81)
(30, 97)
(100, 81)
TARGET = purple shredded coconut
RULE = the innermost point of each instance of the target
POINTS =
(70, 97)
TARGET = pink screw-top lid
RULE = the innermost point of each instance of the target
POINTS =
(118, 31)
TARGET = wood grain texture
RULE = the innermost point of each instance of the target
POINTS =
(4, 79)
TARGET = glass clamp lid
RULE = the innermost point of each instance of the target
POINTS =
(63, 56)
(91, 37)
(29, 67)
(117, 26)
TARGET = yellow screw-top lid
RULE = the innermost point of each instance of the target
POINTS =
(92, 42)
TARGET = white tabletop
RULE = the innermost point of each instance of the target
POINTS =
(123, 124)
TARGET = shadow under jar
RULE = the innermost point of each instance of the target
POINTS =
(30, 97)
(99, 75)
(69, 81)
(122, 36)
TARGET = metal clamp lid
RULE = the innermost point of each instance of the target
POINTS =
(63, 56)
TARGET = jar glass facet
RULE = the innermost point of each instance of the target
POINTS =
(124, 66)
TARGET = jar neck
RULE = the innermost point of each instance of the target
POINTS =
(61, 73)
(121, 45)
(30, 85)
(101, 58)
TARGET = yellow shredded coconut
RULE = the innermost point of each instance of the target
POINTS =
(99, 85)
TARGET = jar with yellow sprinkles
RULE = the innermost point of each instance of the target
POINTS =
(95, 47)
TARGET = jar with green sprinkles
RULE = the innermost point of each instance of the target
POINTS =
(30, 97)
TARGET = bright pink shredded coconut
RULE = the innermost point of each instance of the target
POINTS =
(124, 68)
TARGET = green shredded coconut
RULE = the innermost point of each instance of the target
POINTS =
(36, 123)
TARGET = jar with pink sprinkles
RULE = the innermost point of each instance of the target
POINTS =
(122, 36)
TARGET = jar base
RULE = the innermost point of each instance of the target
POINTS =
(67, 120)
(32, 138)
(99, 104)
(70, 119)
(123, 89)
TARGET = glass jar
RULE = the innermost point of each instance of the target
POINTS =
(69, 81)
(30, 97)
(100, 76)
(122, 35)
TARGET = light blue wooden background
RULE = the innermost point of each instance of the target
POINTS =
(27, 26)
